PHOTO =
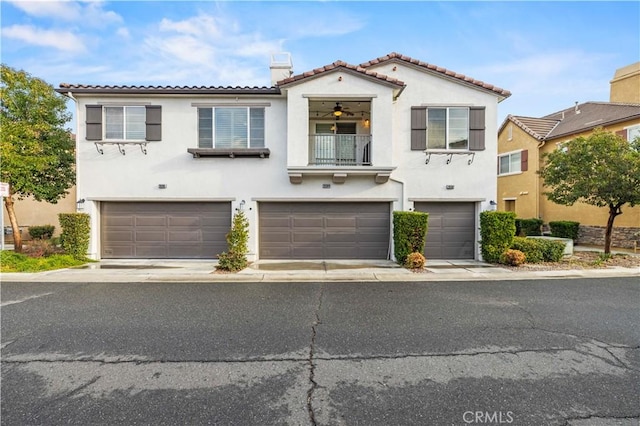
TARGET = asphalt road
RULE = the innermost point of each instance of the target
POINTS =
(549, 352)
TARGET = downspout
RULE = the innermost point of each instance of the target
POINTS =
(402, 185)
(538, 188)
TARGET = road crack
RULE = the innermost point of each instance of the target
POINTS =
(312, 366)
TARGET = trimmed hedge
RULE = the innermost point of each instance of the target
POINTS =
(497, 230)
(565, 229)
(42, 232)
(538, 250)
(527, 227)
(409, 233)
(76, 230)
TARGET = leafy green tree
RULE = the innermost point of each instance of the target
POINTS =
(602, 170)
(37, 152)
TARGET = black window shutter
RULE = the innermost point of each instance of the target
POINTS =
(93, 121)
(154, 123)
(476, 128)
(418, 128)
(524, 160)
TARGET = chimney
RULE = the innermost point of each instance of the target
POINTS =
(577, 109)
(281, 67)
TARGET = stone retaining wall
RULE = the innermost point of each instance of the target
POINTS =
(622, 237)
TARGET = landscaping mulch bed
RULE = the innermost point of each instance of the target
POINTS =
(583, 260)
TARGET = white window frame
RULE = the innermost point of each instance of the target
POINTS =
(447, 128)
(124, 108)
(248, 128)
(509, 155)
(633, 132)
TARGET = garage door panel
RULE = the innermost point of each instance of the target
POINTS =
(150, 221)
(164, 229)
(120, 236)
(307, 222)
(276, 237)
(317, 230)
(151, 236)
(307, 237)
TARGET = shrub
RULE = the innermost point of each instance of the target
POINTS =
(235, 259)
(415, 260)
(75, 233)
(39, 248)
(552, 251)
(513, 257)
(527, 227)
(497, 230)
(530, 247)
(43, 232)
(409, 233)
(565, 229)
(538, 250)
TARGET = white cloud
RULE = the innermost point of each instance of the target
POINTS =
(61, 40)
(89, 13)
(123, 32)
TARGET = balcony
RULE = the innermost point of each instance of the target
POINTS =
(340, 156)
(339, 150)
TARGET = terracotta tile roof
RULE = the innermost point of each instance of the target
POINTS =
(434, 68)
(236, 90)
(337, 65)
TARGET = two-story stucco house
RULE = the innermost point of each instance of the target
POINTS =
(318, 162)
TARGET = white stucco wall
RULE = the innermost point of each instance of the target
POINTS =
(136, 176)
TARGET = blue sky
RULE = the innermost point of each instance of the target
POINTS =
(548, 54)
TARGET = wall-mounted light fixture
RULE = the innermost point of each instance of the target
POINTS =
(80, 204)
(366, 123)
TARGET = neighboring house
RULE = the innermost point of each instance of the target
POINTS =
(522, 141)
(318, 162)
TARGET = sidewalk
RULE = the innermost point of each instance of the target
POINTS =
(126, 271)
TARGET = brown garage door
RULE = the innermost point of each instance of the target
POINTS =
(452, 230)
(153, 230)
(324, 230)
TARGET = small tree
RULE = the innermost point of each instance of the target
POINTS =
(409, 233)
(37, 151)
(235, 259)
(602, 170)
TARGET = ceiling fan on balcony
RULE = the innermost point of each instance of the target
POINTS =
(338, 110)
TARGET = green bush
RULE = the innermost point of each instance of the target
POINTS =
(76, 231)
(552, 251)
(527, 227)
(530, 247)
(409, 233)
(538, 250)
(39, 248)
(497, 230)
(565, 229)
(235, 259)
(43, 232)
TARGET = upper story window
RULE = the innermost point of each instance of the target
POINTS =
(231, 128)
(448, 128)
(513, 162)
(125, 123)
